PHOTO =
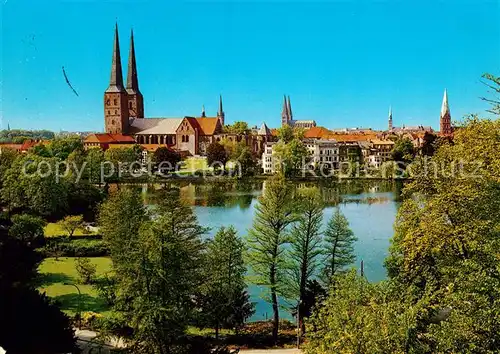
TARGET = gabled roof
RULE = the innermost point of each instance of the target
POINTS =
(147, 126)
(205, 125)
(264, 130)
(106, 138)
(317, 132)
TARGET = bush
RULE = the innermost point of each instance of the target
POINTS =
(105, 287)
(80, 247)
(86, 270)
(89, 319)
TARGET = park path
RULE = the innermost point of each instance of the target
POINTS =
(86, 338)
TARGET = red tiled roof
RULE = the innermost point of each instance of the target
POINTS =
(11, 146)
(205, 125)
(105, 138)
(28, 144)
(317, 132)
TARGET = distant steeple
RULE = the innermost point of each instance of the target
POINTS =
(8, 126)
(135, 99)
(290, 115)
(390, 118)
(444, 106)
(132, 81)
(116, 80)
(220, 113)
(445, 118)
(203, 111)
(116, 111)
(284, 112)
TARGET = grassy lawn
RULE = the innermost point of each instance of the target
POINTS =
(56, 273)
(53, 229)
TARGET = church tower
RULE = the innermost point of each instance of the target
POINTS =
(290, 115)
(390, 118)
(116, 114)
(445, 119)
(220, 113)
(285, 117)
(135, 99)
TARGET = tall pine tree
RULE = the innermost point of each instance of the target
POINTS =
(339, 246)
(267, 238)
(225, 301)
(305, 246)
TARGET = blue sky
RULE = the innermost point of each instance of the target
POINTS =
(342, 62)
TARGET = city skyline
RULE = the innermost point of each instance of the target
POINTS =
(180, 85)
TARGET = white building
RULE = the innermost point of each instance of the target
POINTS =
(267, 158)
(323, 152)
(380, 152)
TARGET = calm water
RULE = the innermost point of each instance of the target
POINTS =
(370, 207)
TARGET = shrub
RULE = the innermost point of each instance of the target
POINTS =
(80, 247)
(105, 287)
(86, 270)
(89, 319)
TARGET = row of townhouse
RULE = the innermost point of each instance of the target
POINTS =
(332, 154)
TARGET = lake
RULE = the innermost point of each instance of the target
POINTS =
(370, 206)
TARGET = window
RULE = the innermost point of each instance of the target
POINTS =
(116, 112)
(130, 105)
(108, 102)
(187, 138)
(114, 101)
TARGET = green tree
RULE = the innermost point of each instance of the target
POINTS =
(403, 151)
(28, 229)
(285, 134)
(446, 234)
(305, 246)
(71, 223)
(224, 299)
(167, 156)
(123, 155)
(339, 246)
(493, 83)
(242, 155)
(360, 317)
(7, 158)
(237, 128)
(41, 150)
(120, 218)
(86, 270)
(168, 273)
(267, 239)
(293, 156)
(62, 147)
(429, 144)
(24, 312)
(93, 159)
(217, 153)
(158, 263)
(32, 184)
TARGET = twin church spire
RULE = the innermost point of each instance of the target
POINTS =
(122, 102)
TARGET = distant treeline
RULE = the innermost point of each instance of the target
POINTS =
(18, 136)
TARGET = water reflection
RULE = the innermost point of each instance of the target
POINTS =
(370, 207)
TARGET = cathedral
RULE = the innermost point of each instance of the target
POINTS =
(125, 123)
(287, 116)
